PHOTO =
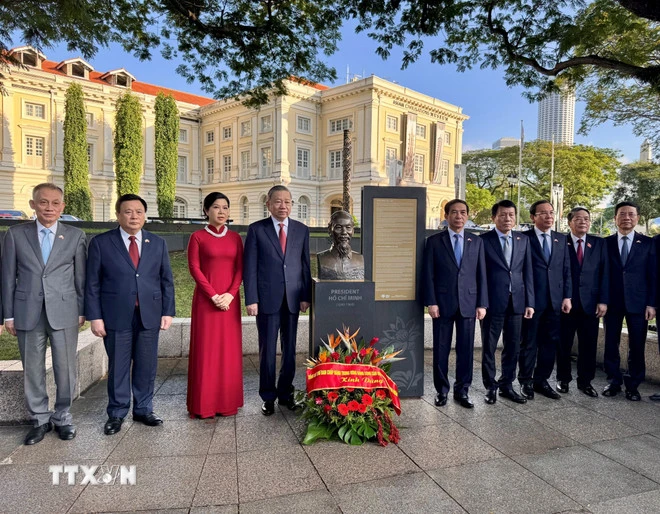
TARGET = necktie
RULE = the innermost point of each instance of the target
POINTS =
(580, 254)
(457, 249)
(624, 250)
(282, 238)
(45, 244)
(133, 251)
(546, 248)
(506, 248)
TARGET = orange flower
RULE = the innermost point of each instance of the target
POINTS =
(323, 357)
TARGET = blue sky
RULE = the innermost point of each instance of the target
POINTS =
(495, 110)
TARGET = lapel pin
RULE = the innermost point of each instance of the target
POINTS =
(556, 240)
(569, 244)
(60, 236)
(588, 245)
(146, 240)
(517, 238)
(638, 241)
(469, 240)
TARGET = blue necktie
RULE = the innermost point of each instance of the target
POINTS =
(506, 249)
(45, 244)
(624, 250)
(546, 248)
(457, 250)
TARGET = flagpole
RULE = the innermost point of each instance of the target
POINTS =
(522, 142)
(552, 174)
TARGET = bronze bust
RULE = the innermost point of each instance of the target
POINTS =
(340, 262)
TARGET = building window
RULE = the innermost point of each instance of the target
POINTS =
(34, 151)
(90, 119)
(420, 131)
(266, 123)
(179, 210)
(226, 168)
(29, 59)
(183, 136)
(226, 133)
(447, 138)
(335, 164)
(303, 208)
(338, 125)
(304, 125)
(245, 211)
(90, 157)
(121, 80)
(210, 137)
(418, 167)
(182, 169)
(78, 70)
(246, 128)
(210, 170)
(264, 208)
(35, 110)
(266, 162)
(246, 161)
(392, 124)
(302, 162)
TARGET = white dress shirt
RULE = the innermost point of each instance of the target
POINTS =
(138, 239)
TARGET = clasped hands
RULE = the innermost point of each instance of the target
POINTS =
(222, 301)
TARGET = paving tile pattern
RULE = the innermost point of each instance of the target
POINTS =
(578, 454)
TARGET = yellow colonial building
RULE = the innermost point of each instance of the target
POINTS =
(398, 137)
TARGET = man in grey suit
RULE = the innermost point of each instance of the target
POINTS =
(43, 288)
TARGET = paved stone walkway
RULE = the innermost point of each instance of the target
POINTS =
(574, 455)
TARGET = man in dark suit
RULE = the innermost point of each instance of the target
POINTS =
(656, 397)
(455, 291)
(278, 285)
(590, 275)
(129, 298)
(552, 295)
(510, 297)
(633, 269)
(43, 283)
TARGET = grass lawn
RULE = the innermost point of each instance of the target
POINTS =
(184, 287)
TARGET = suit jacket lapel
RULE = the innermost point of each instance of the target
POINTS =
(121, 247)
(57, 242)
(636, 241)
(271, 232)
(146, 249)
(447, 242)
(496, 243)
(33, 241)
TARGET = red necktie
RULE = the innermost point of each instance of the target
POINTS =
(282, 238)
(133, 251)
(580, 254)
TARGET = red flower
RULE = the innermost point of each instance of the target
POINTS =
(367, 399)
(327, 408)
(348, 359)
(354, 355)
(381, 394)
(318, 400)
(353, 405)
(332, 396)
(363, 352)
(362, 409)
(373, 341)
(335, 356)
(343, 410)
(350, 389)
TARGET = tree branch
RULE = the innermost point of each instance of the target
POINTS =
(649, 9)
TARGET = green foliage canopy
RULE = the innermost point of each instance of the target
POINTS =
(128, 144)
(77, 196)
(480, 201)
(639, 182)
(166, 153)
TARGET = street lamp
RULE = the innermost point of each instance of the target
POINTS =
(513, 182)
(558, 203)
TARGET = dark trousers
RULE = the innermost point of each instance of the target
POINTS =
(269, 325)
(509, 326)
(443, 327)
(132, 365)
(586, 327)
(637, 329)
(540, 340)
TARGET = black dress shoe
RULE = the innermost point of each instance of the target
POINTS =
(463, 400)
(562, 387)
(511, 394)
(527, 391)
(611, 390)
(440, 400)
(633, 395)
(36, 434)
(547, 391)
(112, 426)
(491, 397)
(66, 432)
(588, 390)
(268, 407)
(290, 404)
(151, 420)
(655, 397)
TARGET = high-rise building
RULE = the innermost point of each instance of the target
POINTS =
(557, 117)
(646, 152)
(399, 136)
(504, 142)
